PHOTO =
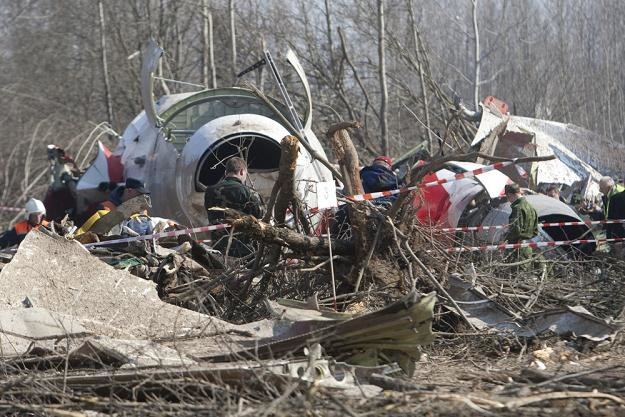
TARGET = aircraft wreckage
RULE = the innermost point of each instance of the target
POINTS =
(177, 146)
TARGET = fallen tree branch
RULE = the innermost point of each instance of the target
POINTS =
(258, 230)
(562, 395)
(494, 158)
(438, 286)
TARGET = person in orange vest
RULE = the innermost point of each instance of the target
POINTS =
(35, 213)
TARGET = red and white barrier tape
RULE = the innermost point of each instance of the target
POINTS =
(373, 196)
(586, 222)
(7, 208)
(504, 246)
(543, 225)
(468, 174)
(159, 235)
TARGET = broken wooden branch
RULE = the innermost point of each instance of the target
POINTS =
(263, 232)
(493, 158)
(347, 157)
(438, 286)
(286, 195)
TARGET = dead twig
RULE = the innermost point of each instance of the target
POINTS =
(438, 286)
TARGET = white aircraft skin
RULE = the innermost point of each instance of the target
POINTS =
(178, 145)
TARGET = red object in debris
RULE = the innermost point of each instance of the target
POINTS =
(114, 163)
(432, 204)
(385, 159)
(501, 106)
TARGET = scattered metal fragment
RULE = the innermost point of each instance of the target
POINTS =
(484, 313)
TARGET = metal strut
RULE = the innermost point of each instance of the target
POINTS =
(297, 123)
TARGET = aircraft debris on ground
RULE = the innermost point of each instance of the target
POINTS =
(375, 316)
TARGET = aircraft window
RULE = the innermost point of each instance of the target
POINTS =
(192, 118)
(261, 153)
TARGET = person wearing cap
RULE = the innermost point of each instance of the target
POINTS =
(379, 176)
(131, 189)
(35, 213)
(523, 220)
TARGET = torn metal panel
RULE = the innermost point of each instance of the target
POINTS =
(292, 59)
(248, 374)
(601, 153)
(151, 54)
(62, 276)
(127, 353)
(484, 313)
(550, 138)
(139, 137)
(393, 334)
(524, 136)
(479, 310)
(39, 324)
(292, 310)
(488, 123)
(14, 346)
(568, 320)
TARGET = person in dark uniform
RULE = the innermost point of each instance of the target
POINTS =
(231, 192)
(523, 221)
(379, 176)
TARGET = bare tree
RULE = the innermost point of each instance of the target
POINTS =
(382, 75)
(478, 60)
(233, 40)
(424, 93)
(208, 56)
(105, 72)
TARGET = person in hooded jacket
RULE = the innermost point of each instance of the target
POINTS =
(35, 213)
(379, 176)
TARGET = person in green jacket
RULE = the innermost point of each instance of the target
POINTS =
(613, 197)
(231, 192)
(523, 221)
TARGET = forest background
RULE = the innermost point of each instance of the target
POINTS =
(67, 66)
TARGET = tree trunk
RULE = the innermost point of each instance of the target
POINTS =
(424, 92)
(233, 41)
(260, 74)
(205, 44)
(347, 157)
(329, 32)
(476, 75)
(105, 71)
(285, 196)
(382, 75)
(286, 178)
